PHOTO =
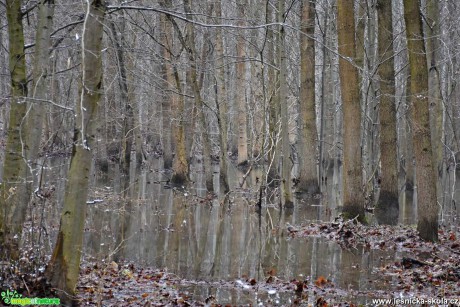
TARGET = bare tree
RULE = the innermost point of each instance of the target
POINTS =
(64, 267)
(425, 174)
(12, 210)
(353, 201)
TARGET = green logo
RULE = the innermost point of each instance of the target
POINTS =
(14, 298)
(8, 296)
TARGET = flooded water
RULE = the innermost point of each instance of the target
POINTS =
(213, 239)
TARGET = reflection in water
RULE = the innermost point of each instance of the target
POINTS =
(203, 238)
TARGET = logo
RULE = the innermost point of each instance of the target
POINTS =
(8, 296)
(14, 298)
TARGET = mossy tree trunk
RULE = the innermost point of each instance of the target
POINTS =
(64, 267)
(12, 210)
(425, 178)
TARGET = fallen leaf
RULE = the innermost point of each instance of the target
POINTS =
(321, 281)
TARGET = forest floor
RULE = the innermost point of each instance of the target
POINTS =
(429, 270)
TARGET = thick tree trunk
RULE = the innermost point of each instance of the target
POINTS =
(425, 172)
(308, 132)
(12, 210)
(353, 200)
(388, 199)
(64, 267)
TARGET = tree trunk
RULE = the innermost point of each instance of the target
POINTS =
(286, 164)
(273, 98)
(425, 174)
(221, 103)
(63, 269)
(126, 103)
(308, 132)
(206, 146)
(434, 87)
(40, 91)
(180, 162)
(12, 210)
(167, 97)
(180, 165)
(388, 198)
(353, 200)
(241, 89)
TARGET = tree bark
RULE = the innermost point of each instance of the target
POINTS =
(63, 269)
(388, 198)
(241, 90)
(12, 210)
(126, 141)
(353, 200)
(180, 165)
(434, 86)
(206, 146)
(167, 97)
(221, 103)
(427, 224)
(286, 164)
(308, 131)
(40, 90)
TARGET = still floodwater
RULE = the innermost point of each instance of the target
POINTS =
(208, 239)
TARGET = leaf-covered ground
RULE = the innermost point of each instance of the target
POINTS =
(427, 270)
(424, 270)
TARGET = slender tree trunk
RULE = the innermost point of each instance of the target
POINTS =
(12, 210)
(180, 165)
(388, 198)
(353, 201)
(40, 90)
(273, 98)
(425, 173)
(221, 102)
(206, 146)
(64, 267)
(167, 97)
(286, 164)
(180, 162)
(434, 87)
(126, 103)
(241, 89)
(308, 132)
